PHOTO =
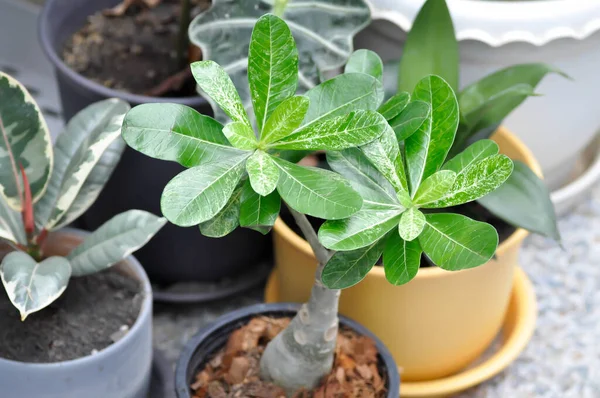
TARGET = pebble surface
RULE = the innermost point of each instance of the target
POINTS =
(562, 360)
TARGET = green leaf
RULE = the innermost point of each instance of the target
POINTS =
(411, 224)
(410, 119)
(396, 104)
(472, 154)
(31, 286)
(114, 240)
(431, 47)
(363, 176)
(227, 220)
(272, 66)
(24, 140)
(341, 132)
(475, 182)
(196, 195)
(524, 201)
(401, 259)
(93, 184)
(240, 136)
(345, 269)
(286, 118)
(316, 192)
(262, 172)
(365, 61)
(363, 228)
(435, 187)
(322, 29)
(427, 148)
(215, 82)
(177, 133)
(11, 224)
(341, 95)
(454, 242)
(77, 152)
(259, 212)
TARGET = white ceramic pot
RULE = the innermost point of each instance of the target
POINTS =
(496, 34)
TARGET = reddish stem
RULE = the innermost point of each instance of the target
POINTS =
(28, 221)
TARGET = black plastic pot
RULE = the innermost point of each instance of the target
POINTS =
(200, 349)
(176, 254)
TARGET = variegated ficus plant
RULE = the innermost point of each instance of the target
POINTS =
(44, 188)
(384, 194)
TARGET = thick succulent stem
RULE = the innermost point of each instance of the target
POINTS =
(301, 355)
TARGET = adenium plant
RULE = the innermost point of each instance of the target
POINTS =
(44, 189)
(238, 175)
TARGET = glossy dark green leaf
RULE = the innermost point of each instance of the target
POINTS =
(365, 61)
(524, 201)
(226, 220)
(262, 172)
(272, 66)
(177, 133)
(475, 182)
(215, 82)
(410, 119)
(240, 136)
(454, 242)
(435, 187)
(411, 224)
(427, 148)
(337, 133)
(286, 118)
(259, 212)
(396, 104)
(363, 228)
(401, 259)
(431, 47)
(346, 269)
(196, 195)
(472, 154)
(316, 192)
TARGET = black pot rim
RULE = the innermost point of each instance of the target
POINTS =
(188, 351)
(44, 24)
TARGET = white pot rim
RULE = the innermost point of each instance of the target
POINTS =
(500, 22)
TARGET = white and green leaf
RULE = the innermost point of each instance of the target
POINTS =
(346, 269)
(11, 224)
(32, 286)
(411, 224)
(263, 173)
(113, 241)
(285, 119)
(472, 154)
(259, 212)
(240, 136)
(434, 187)
(367, 62)
(410, 119)
(394, 106)
(227, 220)
(401, 259)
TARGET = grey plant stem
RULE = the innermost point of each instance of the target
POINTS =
(301, 355)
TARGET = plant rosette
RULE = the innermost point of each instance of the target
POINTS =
(390, 178)
(44, 188)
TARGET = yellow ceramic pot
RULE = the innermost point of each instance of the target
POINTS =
(439, 322)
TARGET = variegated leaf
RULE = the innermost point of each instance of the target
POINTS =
(316, 192)
(114, 240)
(401, 259)
(286, 118)
(240, 136)
(454, 242)
(365, 61)
(227, 220)
(476, 181)
(411, 224)
(11, 224)
(31, 286)
(196, 195)
(77, 151)
(262, 172)
(272, 66)
(345, 269)
(412, 117)
(434, 187)
(472, 154)
(363, 228)
(25, 140)
(259, 212)
(394, 106)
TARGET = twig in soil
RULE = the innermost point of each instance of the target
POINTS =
(121, 8)
(172, 83)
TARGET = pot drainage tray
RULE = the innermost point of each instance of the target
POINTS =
(517, 330)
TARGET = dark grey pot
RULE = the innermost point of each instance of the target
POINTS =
(176, 254)
(200, 349)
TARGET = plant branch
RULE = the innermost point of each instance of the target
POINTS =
(323, 255)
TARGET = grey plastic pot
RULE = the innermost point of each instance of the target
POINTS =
(121, 370)
(201, 348)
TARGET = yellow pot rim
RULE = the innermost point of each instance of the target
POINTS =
(522, 315)
(514, 239)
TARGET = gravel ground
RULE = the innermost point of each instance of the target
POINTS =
(563, 358)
